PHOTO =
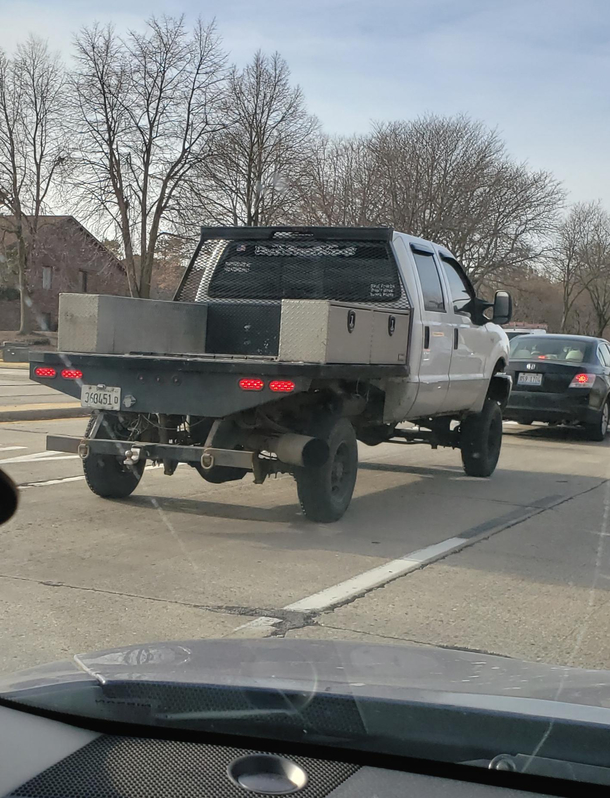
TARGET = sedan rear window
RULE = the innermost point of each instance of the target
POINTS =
(567, 350)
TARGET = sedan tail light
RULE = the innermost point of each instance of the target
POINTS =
(583, 381)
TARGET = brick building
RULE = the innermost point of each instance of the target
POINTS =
(65, 257)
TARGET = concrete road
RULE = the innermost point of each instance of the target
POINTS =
(515, 565)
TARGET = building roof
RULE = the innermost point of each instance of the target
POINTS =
(57, 219)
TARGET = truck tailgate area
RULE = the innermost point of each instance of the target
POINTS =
(201, 386)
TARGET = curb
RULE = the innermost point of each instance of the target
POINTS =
(44, 413)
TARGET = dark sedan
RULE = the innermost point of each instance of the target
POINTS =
(561, 379)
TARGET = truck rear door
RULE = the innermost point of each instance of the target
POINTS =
(436, 334)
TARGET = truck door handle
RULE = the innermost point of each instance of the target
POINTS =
(426, 337)
(456, 337)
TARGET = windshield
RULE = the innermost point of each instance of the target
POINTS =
(531, 347)
(305, 370)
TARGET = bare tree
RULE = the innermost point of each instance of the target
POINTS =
(146, 112)
(565, 258)
(451, 180)
(594, 264)
(31, 150)
(259, 160)
(341, 183)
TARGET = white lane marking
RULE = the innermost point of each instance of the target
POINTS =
(50, 482)
(46, 482)
(11, 448)
(358, 585)
(39, 457)
(337, 594)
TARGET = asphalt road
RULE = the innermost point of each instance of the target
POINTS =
(515, 565)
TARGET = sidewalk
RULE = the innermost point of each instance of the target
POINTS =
(24, 400)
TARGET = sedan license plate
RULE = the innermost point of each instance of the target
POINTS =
(529, 379)
(100, 397)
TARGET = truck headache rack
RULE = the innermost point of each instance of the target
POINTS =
(318, 233)
(244, 273)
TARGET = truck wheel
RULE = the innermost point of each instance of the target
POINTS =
(481, 440)
(108, 476)
(598, 429)
(326, 491)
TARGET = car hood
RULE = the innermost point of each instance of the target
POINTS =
(397, 672)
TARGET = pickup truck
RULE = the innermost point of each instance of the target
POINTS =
(309, 339)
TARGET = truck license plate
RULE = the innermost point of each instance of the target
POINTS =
(100, 397)
(529, 379)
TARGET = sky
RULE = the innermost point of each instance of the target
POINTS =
(538, 71)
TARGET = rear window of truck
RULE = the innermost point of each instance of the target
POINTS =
(347, 271)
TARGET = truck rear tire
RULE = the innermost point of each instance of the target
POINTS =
(108, 476)
(481, 440)
(325, 492)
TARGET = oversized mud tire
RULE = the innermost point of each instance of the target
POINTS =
(325, 492)
(107, 476)
(481, 440)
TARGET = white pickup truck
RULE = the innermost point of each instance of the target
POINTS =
(291, 344)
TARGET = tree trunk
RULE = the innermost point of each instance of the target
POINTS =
(25, 302)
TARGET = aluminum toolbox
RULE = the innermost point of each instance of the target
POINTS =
(104, 324)
(322, 331)
(390, 336)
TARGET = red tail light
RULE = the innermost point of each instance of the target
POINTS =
(583, 381)
(46, 372)
(71, 374)
(281, 386)
(251, 384)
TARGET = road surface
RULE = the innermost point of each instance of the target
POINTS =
(22, 398)
(515, 565)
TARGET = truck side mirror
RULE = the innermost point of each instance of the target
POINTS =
(8, 497)
(502, 308)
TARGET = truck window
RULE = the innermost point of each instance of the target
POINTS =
(348, 271)
(430, 280)
(459, 288)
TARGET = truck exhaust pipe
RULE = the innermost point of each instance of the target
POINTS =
(293, 449)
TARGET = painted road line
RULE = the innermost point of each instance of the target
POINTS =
(361, 584)
(358, 585)
(39, 457)
(26, 485)
(337, 594)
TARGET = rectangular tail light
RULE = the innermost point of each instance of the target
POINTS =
(583, 380)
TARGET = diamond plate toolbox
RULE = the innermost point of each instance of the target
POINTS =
(323, 331)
